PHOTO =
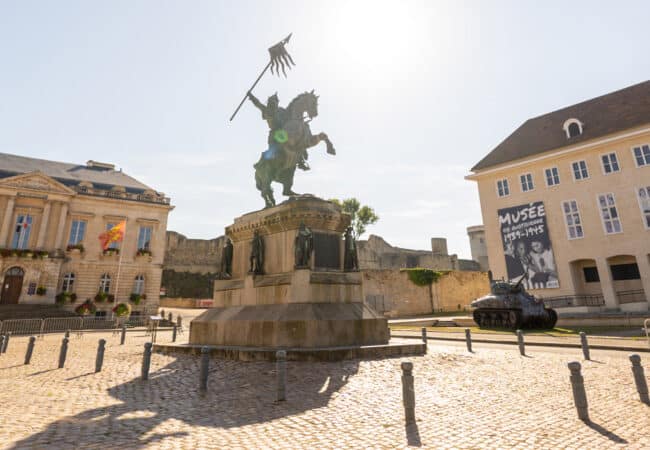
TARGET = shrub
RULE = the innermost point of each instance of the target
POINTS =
(101, 296)
(122, 309)
(61, 298)
(422, 277)
(41, 290)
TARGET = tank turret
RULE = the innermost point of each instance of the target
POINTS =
(508, 305)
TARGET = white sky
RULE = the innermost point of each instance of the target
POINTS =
(412, 93)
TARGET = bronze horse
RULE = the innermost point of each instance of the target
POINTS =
(289, 139)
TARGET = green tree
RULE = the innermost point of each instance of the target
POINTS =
(362, 215)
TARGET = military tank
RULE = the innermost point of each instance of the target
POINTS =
(508, 305)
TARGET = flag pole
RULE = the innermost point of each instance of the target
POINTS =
(119, 265)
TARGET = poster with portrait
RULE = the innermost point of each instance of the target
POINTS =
(643, 195)
(527, 246)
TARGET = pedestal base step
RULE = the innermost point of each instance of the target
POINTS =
(395, 348)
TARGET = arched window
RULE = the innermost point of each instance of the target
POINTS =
(68, 282)
(138, 285)
(572, 128)
(105, 283)
(15, 271)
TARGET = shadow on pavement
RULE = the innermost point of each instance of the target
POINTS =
(608, 434)
(413, 435)
(239, 393)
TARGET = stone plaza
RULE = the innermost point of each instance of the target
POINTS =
(492, 398)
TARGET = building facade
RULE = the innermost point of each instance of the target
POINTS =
(51, 216)
(565, 201)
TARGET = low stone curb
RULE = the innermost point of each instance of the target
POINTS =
(529, 343)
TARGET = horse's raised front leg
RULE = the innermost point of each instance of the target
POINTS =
(323, 137)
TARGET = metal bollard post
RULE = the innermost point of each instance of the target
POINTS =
(520, 342)
(205, 367)
(67, 334)
(30, 349)
(174, 333)
(170, 317)
(424, 338)
(6, 342)
(99, 360)
(639, 378)
(63, 353)
(408, 393)
(579, 394)
(584, 344)
(2, 342)
(123, 336)
(146, 360)
(281, 369)
(468, 339)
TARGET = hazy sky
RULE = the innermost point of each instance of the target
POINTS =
(412, 93)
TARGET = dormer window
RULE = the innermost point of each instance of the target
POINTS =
(572, 128)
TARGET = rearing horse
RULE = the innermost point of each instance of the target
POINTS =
(289, 142)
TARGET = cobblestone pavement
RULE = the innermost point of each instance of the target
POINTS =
(493, 398)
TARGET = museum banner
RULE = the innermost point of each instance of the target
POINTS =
(527, 246)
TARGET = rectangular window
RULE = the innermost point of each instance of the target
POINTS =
(502, 187)
(22, 231)
(609, 214)
(572, 219)
(77, 232)
(591, 274)
(144, 238)
(642, 155)
(552, 176)
(526, 182)
(643, 195)
(610, 163)
(580, 170)
(625, 272)
(112, 245)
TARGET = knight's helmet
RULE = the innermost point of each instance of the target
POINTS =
(273, 101)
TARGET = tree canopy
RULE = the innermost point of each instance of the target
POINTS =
(362, 215)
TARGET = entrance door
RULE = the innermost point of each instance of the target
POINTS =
(12, 286)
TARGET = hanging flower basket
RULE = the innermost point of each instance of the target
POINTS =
(101, 297)
(86, 308)
(122, 310)
(135, 298)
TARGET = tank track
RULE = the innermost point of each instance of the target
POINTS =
(512, 319)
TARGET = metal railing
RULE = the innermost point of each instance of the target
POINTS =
(60, 324)
(631, 296)
(566, 301)
(646, 327)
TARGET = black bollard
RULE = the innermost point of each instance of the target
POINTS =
(579, 394)
(639, 379)
(585, 345)
(63, 353)
(99, 360)
(170, 317)
(123, 336)
(468, 339)
(6, 342)
(205, 367)
(30, 349)
(174, 333)
(520, 342)
(146, 360)
(408, 392)
(424, 338)
(281, 369)
(2, 342)
(67, 334)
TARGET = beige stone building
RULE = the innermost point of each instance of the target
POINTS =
(51, 216)
(565, 199)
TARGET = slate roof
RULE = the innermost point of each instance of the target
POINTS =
(600, 116)
(69, 174)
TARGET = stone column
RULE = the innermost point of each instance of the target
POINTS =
(643, 261)
(6, 221)
(61, 227)
(606, 283)
(42, 231)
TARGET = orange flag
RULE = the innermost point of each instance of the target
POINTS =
(115, 234)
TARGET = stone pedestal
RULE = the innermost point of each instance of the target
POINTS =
(317, 306)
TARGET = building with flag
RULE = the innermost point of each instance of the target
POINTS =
(71, 232)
